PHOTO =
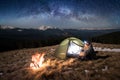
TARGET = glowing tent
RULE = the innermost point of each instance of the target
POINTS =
(70, 47)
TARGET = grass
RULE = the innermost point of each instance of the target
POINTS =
(14, 65)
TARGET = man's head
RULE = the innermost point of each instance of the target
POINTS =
(86, 43)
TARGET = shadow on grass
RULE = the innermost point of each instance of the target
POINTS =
(102, 57)
(94, 57)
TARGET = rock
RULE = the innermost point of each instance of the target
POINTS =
(96, 70)
(86, 71)
(105, 69)
(1, 73)
(76, 69)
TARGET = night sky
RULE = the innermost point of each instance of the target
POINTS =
(60, 13)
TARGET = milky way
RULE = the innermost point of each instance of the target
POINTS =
(61, 13)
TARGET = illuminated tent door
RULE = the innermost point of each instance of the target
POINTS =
(73, 50)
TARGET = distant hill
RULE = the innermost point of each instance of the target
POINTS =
(110, 38)
(18, 38)
(28, 38)
(45, 27)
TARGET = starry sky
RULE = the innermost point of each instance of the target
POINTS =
(60, 13)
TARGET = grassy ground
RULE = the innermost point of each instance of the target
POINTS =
(14, 65)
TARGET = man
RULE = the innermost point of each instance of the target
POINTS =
(87, 52)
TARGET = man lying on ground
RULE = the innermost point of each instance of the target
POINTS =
(87, 52)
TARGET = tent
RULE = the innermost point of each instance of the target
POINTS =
(70, 47)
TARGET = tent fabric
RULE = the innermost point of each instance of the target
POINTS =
(68, 46)
(73, 49)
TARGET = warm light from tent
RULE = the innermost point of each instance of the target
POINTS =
(74, 49)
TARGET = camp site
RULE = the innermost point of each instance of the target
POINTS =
(59, 39)
(61, 61)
